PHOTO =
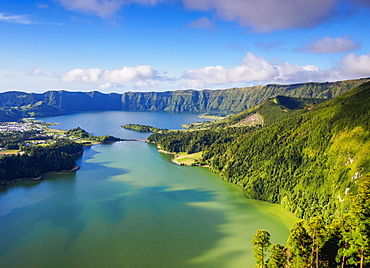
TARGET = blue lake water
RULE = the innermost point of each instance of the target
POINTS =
(129, 206)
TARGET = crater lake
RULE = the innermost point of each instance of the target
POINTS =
(130, 206)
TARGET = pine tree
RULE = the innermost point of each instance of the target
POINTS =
(278, 256)
(345, 227)
(299, 245)
(360, 208)
(316, 229)
(261, 243)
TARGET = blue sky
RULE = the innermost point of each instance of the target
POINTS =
(158, 45)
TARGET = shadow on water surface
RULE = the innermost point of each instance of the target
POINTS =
(161, 229)
(107, 221)
(155, 227)
(59, 199)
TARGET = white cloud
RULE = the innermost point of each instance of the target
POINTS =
(84, 75)
(21, 81)
(36, 72)
(256, 70)
(201, 23)
(139, 76)
(105, 86)
(142, 84)
(21, 19)
(253, 68)
(102, 8)
(331, 45)
(356, 66)
(145, 2)
(130, 74)
(268, 15)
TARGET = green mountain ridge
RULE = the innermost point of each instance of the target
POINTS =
(266, 113)
(15, 105)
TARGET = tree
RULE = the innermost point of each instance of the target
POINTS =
(261, 243)
(299, 245)
(278, 256)
(360, 208)
(317, 230)
(345, 226)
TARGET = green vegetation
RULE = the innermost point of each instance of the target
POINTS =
(83, 136)
(187, 159)
(144, 128)
(345, 242)
(264, 114)
(28, 150)
(308, 161)
(261, 243)
(196, 141)
(37, 160)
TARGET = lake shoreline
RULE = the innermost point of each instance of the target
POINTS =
(7, 183)
(176, 156)
(39, 178)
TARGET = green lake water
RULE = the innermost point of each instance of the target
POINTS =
(129, 206)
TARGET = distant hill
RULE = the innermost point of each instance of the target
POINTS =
(14, 105)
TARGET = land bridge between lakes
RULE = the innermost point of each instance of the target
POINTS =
(134, 140)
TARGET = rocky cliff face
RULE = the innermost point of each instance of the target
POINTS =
(230, 100)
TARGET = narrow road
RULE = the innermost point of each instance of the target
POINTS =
(259, 118)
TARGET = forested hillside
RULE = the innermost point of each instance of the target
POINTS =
(308, 162)
(15, 105)
(37, 160)
(345, 242)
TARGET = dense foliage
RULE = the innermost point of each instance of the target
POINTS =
(308, 162)
(143, 128)
(196, 141)
(38, 159)
(80, 133)
(345, 242)
(264, 114)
